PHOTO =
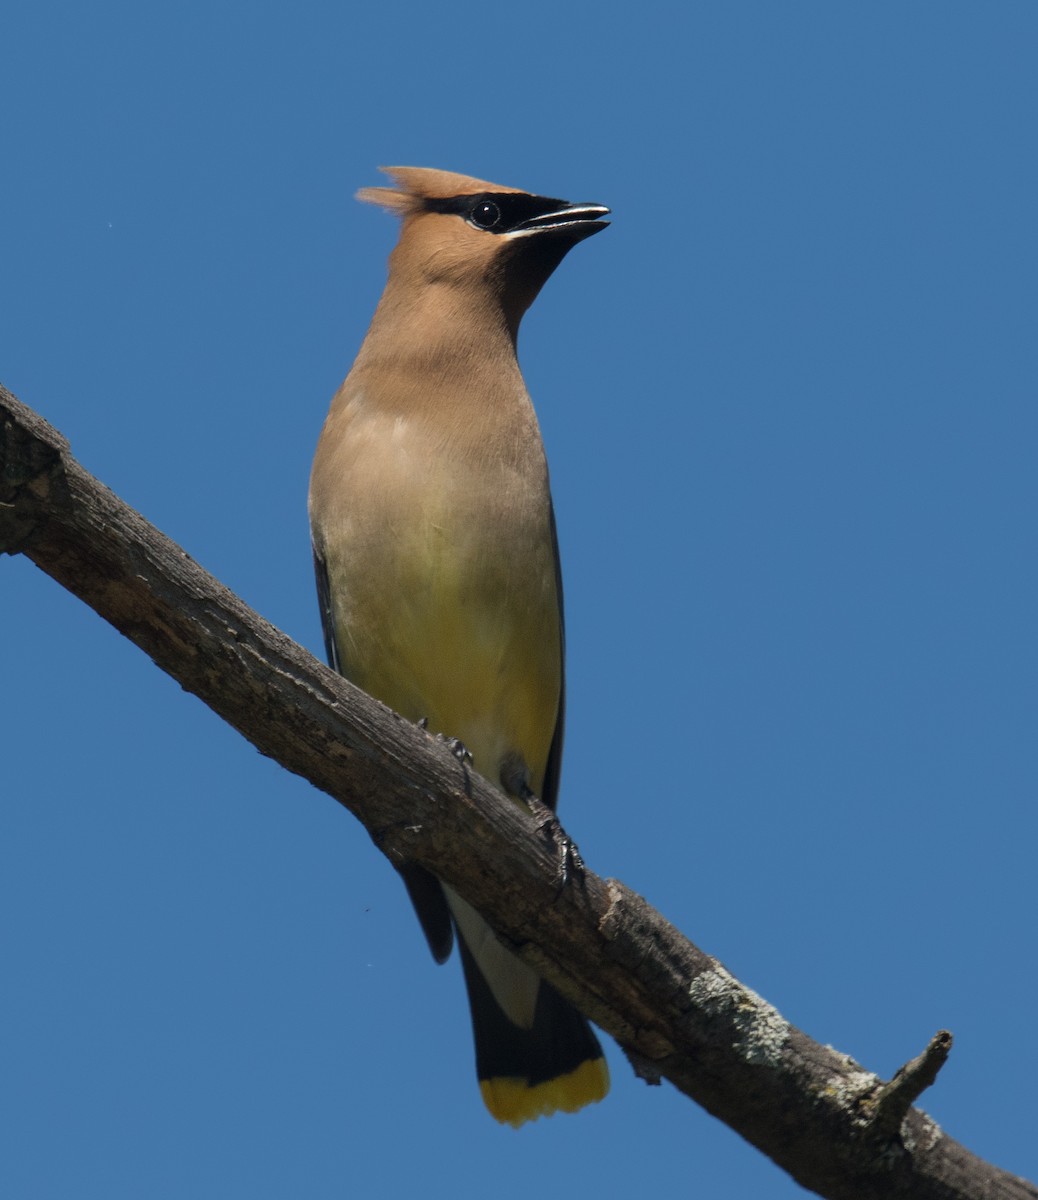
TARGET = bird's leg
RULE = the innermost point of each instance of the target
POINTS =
(570, 863)
(515, 779)
(455, 745)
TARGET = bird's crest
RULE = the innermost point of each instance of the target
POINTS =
(417, 184)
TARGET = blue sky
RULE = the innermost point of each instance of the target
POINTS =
(789, 405)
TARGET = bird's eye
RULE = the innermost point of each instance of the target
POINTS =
(485, 215)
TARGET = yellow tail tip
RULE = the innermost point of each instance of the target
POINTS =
(513, 1101)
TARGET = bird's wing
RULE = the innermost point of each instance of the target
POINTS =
(324, 600)
(553, 767)
(426, 893)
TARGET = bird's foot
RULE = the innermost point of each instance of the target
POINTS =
(458, 748)
(455, 745)
(570, 864)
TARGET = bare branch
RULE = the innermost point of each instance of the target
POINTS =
(835, 1127)
(894, 1099)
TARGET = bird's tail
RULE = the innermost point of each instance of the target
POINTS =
(535, 1054)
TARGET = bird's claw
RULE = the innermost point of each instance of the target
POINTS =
(570, 864)
(457, 747)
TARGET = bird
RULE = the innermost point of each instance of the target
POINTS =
(437, 565)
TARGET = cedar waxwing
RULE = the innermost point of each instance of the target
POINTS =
(438, 569)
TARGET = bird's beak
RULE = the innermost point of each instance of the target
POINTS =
(575, 221)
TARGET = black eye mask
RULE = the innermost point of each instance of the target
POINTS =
(496, 212)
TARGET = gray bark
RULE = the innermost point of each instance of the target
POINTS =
(834, 1126)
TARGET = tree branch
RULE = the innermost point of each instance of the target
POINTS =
(832, 1125)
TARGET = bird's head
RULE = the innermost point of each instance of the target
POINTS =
(468, 233)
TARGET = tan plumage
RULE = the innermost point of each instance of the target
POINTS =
(437, 562)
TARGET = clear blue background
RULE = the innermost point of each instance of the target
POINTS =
(789, 403)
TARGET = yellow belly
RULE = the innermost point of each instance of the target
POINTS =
(436, 532)
(444, 628)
